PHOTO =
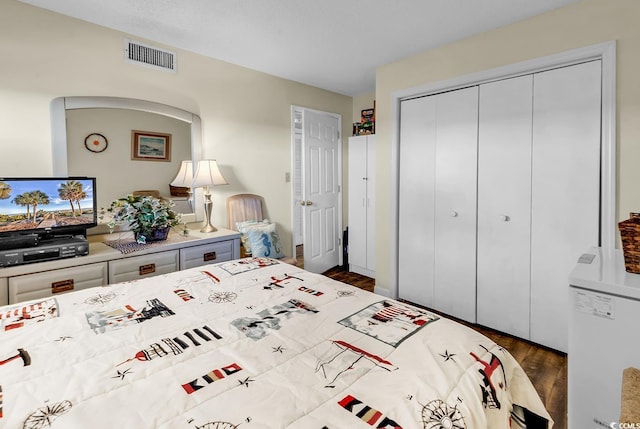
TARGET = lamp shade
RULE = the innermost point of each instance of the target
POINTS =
(208, 174)
(185, 175)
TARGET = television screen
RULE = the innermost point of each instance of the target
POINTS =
(47, 205)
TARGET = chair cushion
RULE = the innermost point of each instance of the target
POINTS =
(265, 241)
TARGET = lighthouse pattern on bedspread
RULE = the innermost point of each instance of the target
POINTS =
(225, 345)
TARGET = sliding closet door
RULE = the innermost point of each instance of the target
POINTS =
(566, 190)
(437, 209)
(504, 205)
(456, 160)
(416, 240)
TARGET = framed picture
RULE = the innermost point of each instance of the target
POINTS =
(148, 146)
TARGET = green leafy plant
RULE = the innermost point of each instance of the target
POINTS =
(144, 214)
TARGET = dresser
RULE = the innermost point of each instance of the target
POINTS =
(105, 265)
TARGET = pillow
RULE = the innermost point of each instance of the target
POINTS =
(265, 242)
(242, 227)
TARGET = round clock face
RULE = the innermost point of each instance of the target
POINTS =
(96, 142)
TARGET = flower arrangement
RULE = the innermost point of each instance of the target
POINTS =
(149, 218)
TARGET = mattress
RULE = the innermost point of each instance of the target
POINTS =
(251, 343)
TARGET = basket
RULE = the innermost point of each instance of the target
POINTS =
(630, 234)
(178, 191)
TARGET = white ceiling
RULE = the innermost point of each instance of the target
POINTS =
(332, 44)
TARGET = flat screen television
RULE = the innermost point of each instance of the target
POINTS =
(47, 206)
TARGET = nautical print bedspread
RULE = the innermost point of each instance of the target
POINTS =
(251, 343)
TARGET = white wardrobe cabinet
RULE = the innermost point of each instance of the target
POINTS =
(437, 229)
(362, 158)
(536, 208)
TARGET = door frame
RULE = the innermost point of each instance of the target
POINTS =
(297, 114)
(606, 52)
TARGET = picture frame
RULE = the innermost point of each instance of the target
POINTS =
(150, 146)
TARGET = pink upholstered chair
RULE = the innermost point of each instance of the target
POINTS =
(247, 207)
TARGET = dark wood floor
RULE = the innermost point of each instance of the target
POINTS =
(546, 368)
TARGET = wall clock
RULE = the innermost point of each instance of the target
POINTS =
(96, 142)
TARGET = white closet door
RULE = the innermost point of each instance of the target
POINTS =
(371, 202)
(455, 202)
(416, 194)
(504, 205)
(566, 190)
(358, 201)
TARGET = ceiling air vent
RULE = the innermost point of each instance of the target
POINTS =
(149, 56)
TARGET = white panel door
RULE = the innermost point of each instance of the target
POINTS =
(358, 201)
(416, 196)
(455, 202)
(504, 208)
(566, 190)
(321, 191)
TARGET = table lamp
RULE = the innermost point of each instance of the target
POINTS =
(184, 178)
(207, 175)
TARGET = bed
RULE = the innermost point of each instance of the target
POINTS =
(251, 343)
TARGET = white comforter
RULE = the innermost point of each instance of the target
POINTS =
(251, 343)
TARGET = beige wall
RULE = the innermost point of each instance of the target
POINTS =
(585, 23)
(245, 114)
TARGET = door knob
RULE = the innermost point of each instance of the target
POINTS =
(306, 203)
(505, 218)
(454, 213)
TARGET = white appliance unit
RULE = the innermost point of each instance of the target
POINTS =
(603, 337)
(362, 187)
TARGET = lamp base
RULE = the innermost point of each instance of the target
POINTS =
(208, 228)
(206, 225)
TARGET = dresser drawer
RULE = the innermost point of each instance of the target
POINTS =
(206, 254)
(137, 267)
(50, 283)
